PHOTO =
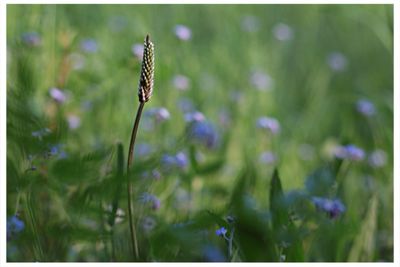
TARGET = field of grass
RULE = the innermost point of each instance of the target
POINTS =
(269, 135)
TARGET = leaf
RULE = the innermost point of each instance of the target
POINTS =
(278, 208)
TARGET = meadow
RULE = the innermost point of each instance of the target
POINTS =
(268, 138)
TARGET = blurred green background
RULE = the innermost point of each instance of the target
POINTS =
(318, 76)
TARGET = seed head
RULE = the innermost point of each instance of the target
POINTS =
(147, 73)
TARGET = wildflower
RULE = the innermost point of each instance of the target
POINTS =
(194, 116)
(365, 107)
(148, 224)
(31, 39)
(89, 45)
(154, 202)
(137, 50)
(181, 82)
(337, 61)
(221, 231)
(159, 114)
(267, 157)
(270, 124)
(282, 32)
(377, 158)
(262, 81)
(350, 152)
(57, 150)
(73, 122)
(14, 226)
(183, 32)
(58, 95)
(171, 162)
(204, 133)
(334, 208)
(250, 24)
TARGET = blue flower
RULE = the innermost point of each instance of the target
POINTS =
(89, 45)
(333, 207)
(14, 226)
(221, 231)
(350, 152)
(31, 38)
(365, 107)
(204, 133)
(171, 162)
(270, 124)
(154, 202)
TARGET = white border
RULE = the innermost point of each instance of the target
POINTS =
(3, 38)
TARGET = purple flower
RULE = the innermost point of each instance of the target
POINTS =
(270, 124)
(194, 116)
(31, 38)
(377, 158)
(221, 231)
(282, 32)
(181, 160)
(261, 81)
(89, 45)
(183, 32)
(267, 157)
(171, 162)
(204, 133)
(73, 122)
(350, 152)
(154, 202)
(334, 208)
(58, 95)
(148, 224)
(365, 107)
(181, 82)
(14, 226)
(57, 150)
(337, 61)
(137, 50)
(250, 24)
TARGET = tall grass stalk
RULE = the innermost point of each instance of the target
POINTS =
(145, 92)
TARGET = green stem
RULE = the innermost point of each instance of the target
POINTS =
(130, 159)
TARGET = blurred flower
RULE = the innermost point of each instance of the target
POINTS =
(306, 152)
(148, 224)
(213, 254)
(73, 122)
(171, 162)
(154, 174)
(377, 158)
(221, 231)
(14, 226)
(194, 116)
(89, 45)
(58, 95)
(185, 105)
(181, 82)
(77, 61)
(250, 24)
(137, 50)
(365, 107)
(147, 198)
(334, 208)
(337, 61)
(42, 132)
(31, 38)
(143, 150)
(262, 81)
(159, 114)
(267, 157)
(282, 32)
(183, 32)
(204, 133)
(269, 124)
(350, 152)
(57, 150)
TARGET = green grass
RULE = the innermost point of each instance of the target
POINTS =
(69, 205)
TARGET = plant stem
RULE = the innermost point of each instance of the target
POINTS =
(130, 159)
